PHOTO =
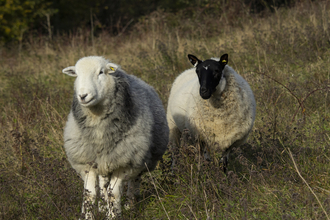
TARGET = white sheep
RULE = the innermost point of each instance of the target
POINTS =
(217, 105)
(116, 130)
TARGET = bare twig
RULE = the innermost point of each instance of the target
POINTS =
(206, 211)
(191, 211)
(327, 191)
(153, 182)
(287, 88)
(303, 100)
(300, 101)
(295, 165)
(92, 27)
(124, 28)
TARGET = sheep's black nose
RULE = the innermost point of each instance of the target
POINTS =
(83, 96)
(203, 90)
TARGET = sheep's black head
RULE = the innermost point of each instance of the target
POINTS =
(209, 73)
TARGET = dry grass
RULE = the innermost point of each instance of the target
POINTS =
(285, 58)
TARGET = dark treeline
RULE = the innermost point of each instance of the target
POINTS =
(17, 17)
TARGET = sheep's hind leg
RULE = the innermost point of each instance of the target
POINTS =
(89, 193)
(225, 162)
(206, 153)
(174, 140)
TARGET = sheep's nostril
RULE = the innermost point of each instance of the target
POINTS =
(83, 96)
(203, 90)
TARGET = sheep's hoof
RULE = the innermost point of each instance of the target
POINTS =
(127, 206)
(207, 156)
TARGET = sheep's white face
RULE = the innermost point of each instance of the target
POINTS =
(93, 80)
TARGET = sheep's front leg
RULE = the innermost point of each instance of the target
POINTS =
(133, 191)
(103, 183)
(89, 193)
(114, 191)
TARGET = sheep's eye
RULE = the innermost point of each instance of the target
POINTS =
(101, 72)
(217, 71)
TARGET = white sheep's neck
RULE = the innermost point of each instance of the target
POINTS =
(215, 99)
(97, 110)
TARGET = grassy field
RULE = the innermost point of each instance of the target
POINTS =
(283, 172)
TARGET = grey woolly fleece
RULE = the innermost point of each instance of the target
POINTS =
(128, 132)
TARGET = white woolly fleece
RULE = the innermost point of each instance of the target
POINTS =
(225, 119)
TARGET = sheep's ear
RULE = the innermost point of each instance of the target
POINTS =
(194, 60)
(112, 67)
(224, 59)
(71, 71)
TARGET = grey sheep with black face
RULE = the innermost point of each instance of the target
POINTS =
(214, 103)
(116, 129)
